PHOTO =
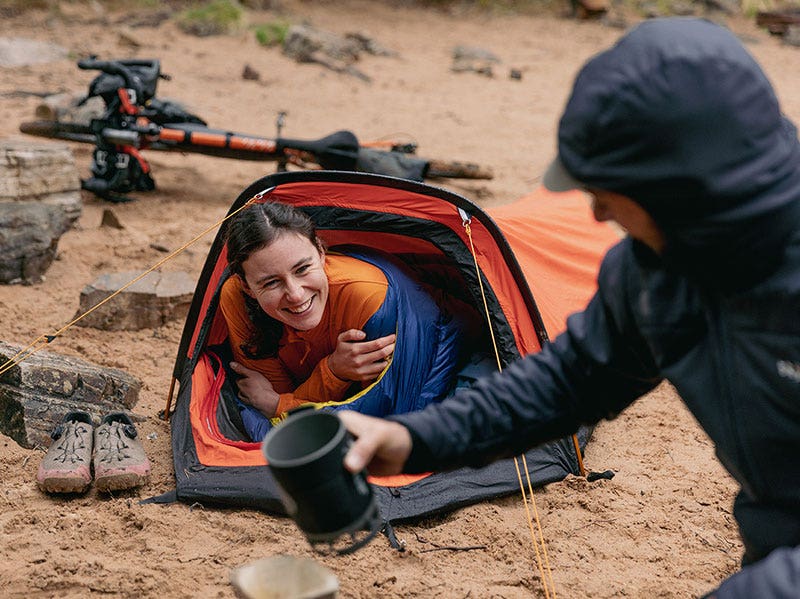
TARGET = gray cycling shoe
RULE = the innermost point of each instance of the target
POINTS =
(119, 458)
(66, 467)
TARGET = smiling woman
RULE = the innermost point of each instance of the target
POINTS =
(306, 326)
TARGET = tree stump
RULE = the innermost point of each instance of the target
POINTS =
(39, 200)
(149, 303)
(36, 393)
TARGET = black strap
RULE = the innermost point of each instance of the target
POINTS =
(164, 498)
(388, 531)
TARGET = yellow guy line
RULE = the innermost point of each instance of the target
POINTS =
(43, 340)
(545, 579)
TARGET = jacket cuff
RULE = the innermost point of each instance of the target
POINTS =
(331, 381)
(421, 459)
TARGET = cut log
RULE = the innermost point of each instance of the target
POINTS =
(64, 107)
(149, 303)
(777, 22)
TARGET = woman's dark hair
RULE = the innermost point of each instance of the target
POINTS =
(250, 230)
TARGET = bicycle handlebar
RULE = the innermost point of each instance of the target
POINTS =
(121, 68)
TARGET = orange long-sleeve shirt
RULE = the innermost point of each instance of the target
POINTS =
(300, 372)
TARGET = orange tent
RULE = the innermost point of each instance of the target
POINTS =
(524, 266)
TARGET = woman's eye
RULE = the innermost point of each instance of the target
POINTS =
(270, 284)
(303, 269)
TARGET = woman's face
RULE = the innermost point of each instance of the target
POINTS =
(288, 280)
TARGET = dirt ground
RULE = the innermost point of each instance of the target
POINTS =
(662, 527)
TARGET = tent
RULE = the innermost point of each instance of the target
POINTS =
(526, 265)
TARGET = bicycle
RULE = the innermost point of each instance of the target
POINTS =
(134, 119)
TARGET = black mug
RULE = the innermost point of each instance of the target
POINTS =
(305, 454)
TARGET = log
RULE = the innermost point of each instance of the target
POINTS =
(64, 107)
(149, 303)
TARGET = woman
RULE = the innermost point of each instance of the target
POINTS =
(306, 326)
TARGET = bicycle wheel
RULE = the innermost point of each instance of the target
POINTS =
(453, 169)
(58, 130)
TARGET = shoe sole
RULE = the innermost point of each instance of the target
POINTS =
(63, 484)
(120, 481)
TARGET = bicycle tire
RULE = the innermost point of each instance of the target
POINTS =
(59, 130)
(454, 169)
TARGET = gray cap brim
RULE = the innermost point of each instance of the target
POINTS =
(557, 178)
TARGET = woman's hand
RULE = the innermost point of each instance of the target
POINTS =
(358, 360)
(256, 390)
(381, 446)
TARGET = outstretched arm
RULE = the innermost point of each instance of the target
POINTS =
(592, 371)
(381, 446)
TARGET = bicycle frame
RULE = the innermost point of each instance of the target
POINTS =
(136, 120)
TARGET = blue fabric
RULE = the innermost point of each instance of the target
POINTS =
(255, 423)
(428, 348)
(428, 352)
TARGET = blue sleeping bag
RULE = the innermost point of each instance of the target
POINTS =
(431, 345)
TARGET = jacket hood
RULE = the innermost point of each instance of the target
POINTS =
(680, 118)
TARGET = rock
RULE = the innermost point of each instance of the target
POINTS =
(19, 51)
(369, 45)
(474, 53)
(111, 220)
(149, 303)
(29, 235)
(475, 60)
(250, 74)
(39, 201)
(303, 42)
(37, 392)
(730, 7)
(40, 172)
(792, 35)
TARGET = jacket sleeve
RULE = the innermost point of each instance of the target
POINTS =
(593, 370)
(777, 576)
(320, 387)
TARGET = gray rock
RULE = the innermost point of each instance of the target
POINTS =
(19, 51)
(36, 392)
(29, 235)
(39, 201)
(792, 35)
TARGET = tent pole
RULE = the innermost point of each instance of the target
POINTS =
(167, 408)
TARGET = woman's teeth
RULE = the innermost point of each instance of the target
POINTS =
(302, 308)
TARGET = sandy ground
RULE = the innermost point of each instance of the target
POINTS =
(661, 527)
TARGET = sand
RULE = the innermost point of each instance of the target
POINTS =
(662, 527)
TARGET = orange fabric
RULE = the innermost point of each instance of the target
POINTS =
(403, 202)
(212, 448)
(559, 247)
(300, 371)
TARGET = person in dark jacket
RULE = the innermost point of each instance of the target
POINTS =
(677, 135)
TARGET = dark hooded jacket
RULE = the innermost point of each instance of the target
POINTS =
(680, 118)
